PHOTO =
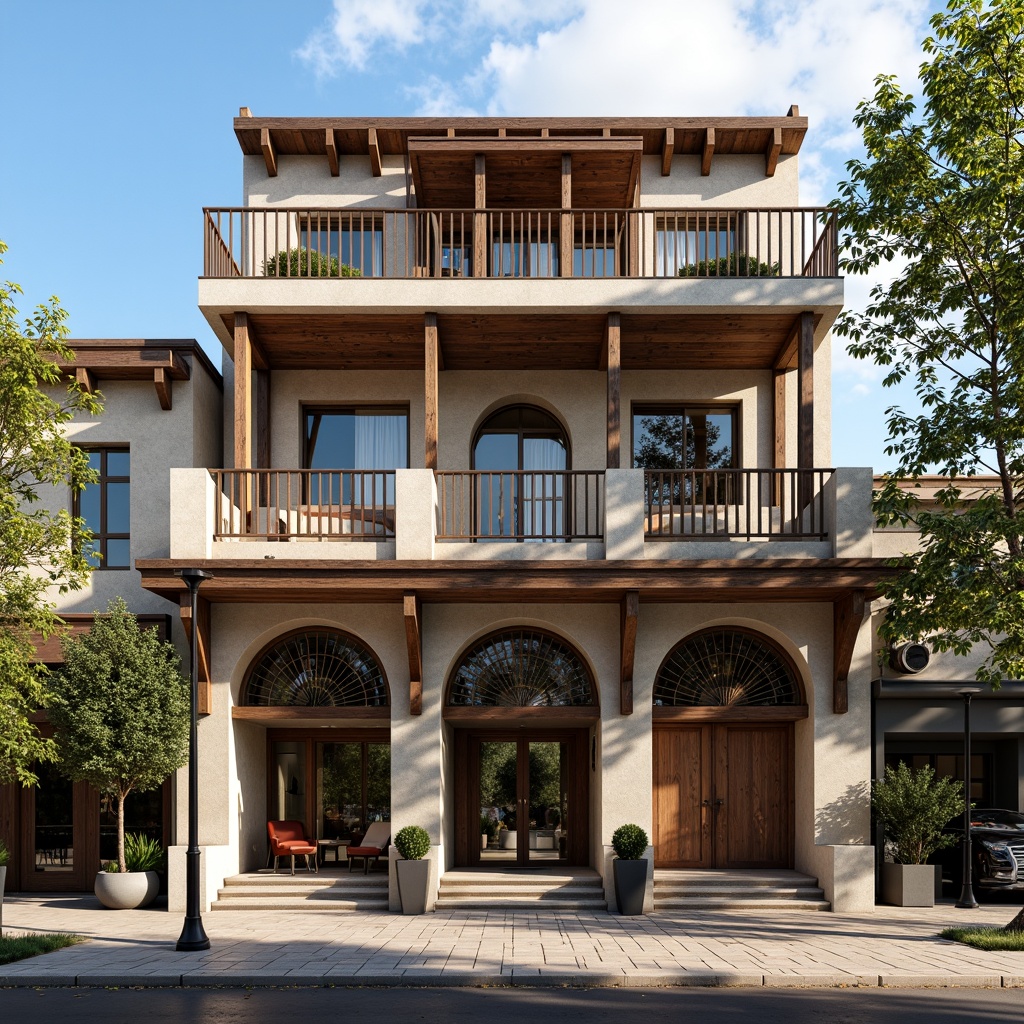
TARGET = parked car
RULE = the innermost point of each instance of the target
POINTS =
(997, 838)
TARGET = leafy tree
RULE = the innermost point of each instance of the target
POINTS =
(120, 709)
(941, 194)
(913, 808)
(36, 549)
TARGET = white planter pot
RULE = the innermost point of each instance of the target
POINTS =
(483, 841)
(126, 891)
(507, 839)
(413, 879)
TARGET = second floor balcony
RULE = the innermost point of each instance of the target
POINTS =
(700, 242)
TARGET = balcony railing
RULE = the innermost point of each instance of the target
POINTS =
(305, 504)
(727, 504)
(520, 506)
(321, 243)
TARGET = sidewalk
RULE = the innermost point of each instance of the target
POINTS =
(890, 947)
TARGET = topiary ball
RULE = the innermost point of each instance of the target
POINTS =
(412, 842)
(629, 842)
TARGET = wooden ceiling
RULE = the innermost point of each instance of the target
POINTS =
(528, 342)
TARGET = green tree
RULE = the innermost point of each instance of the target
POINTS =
(37, 553)
(940, 193)
(120, 709)
(913, 808)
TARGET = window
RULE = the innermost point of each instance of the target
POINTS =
(105, 508)
(684, 437)
(690, 240)
(354, 240)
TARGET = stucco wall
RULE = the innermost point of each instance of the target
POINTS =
(735, 181)
(306, 180)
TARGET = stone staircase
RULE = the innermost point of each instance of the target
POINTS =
(330, 889)
(686, 891)
(531, 889)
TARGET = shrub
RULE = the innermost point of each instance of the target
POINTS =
(412, 842)
(629, 842)
(913, 808)
(307, 263)
(736, 264)
(488, 826)
(142, 853)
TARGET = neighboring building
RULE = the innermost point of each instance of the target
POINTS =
(527, 515)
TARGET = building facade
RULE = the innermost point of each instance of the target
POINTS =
(520, 511)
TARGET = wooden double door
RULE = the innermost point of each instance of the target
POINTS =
(723, 795)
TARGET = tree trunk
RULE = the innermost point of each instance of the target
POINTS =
(1017, 924)
(121, 866)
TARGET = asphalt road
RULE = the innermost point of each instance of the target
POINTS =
(520, 1006)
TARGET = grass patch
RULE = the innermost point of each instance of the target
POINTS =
(21, 947)
(985, 938)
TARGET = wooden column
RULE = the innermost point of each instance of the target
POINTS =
(263, 419)
(627, 631)
(565, 227)
(243, 393)
(481, 243)
(779, 419)
(805, 401)
(613, 346)
(430, 394)
(411, 607)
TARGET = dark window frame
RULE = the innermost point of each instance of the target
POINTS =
(523, 433)
(681, 408)
(101, 537)
(338, 409)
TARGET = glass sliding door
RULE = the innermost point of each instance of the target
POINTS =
(548, 800)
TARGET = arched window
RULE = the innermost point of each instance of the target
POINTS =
(315, 668)
(521, 437)
(725, 667)
(521, 668)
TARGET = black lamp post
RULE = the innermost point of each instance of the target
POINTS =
(967, 900)
(193, 935)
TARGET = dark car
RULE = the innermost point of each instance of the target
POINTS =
(997, 838)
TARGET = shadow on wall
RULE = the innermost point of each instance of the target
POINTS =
(846, 820)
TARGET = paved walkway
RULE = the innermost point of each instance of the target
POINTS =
(888, 947)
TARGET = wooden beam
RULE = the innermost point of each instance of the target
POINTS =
(779, 439)
(480, 241)
(708, 151)
(430, 381)
(771, 155)
(613, 335)
(269, 156)
(566, 231)
(480, 181)
(371, 134)
(786, 356)
(847, 617)
(567, 181)
(794, 111)
(86, 379)
(414, 648)
(263, 419)
(667, 149)
(162, 382)
(244, 112)
(243, 393)
(805, 392)
(332, 152)
(205, 677)
(629, 609)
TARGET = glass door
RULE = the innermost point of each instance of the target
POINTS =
(59, 846)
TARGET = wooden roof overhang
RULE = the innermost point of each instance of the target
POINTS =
(734, 340)
(525, 172)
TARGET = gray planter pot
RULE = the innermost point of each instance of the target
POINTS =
(126, 891)
(507, 839)
(908, 885)
(630, 885)
(413, 879)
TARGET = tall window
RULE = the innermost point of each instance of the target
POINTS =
(105, 508)
(354, 240)
(694, 241)
(684, 437)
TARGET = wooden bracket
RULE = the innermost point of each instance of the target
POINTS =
(162, 382)
(86, 379)
(269, 156)
(771, 154)
(708, 152)
(627, 631)
(414, 648)
(374, 148)
(332, 152)
(204, 680)
(667, 149)
(847, 616)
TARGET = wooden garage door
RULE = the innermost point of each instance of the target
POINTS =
(723, 795)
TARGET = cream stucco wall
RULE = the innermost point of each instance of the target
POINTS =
(307, 181)
(738, 182)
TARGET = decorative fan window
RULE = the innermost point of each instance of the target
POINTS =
(521, 668)
(726, 668)
(316, 668)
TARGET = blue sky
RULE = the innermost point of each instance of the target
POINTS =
(117, 125)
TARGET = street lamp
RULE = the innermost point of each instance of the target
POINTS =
(967, 900)
(193, 935)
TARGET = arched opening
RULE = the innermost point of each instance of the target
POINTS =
(725, 700)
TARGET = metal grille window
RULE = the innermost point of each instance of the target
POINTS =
(316, 668)
(725, 668)
(521, 668)
(105, 508)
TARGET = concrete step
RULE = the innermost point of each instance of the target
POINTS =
(299, 903)
(526, 891)
(519, 903)
(733, 879)
(738, 892)
(305, 891)
(690, 904)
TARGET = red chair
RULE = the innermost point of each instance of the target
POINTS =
(375, 842)
(287, 839)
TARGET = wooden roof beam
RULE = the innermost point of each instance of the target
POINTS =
(269, 155)
(667, 149)
(86, 379)
(375, 166)
(771, 155)
(786, 357)
(332, 152)
(708, 152)
(205, 677)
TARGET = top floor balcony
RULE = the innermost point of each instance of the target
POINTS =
(305, 243)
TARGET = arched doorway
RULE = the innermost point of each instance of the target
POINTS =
(521, 701)
(725, 700)
(322, 690)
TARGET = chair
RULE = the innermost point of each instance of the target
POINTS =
(287, 839)
(374, 843)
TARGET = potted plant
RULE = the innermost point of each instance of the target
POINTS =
(629, 868)
(4, 858)
(120, 712)
(413, 843)
(307, 263)
(488, 830)
(912, 808)
(142, 857)
(507, 832)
